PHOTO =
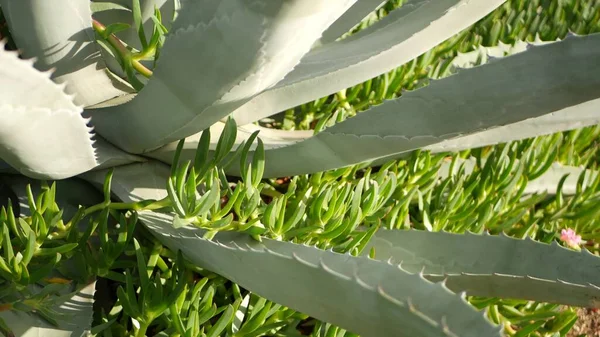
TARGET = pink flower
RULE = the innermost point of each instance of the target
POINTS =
(570, 238)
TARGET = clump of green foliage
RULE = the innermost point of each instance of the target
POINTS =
(145, 288)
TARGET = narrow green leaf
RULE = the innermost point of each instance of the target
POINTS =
(107, 186)
(44, 271)
(206, 315)
(12, 223)
(257, 320)
(176, 157)
(9, 254)
(226, 141)
(244, 155)
(190, 189)
(114, 28)
(182, 172)
(138, 23)
(5, 330)
(258, 163)
(31, 200)
(67, 247)
(295, 218)
(208, 199)
(528, 329)
(29, 249)
(222, 323)
(202, 152)
(142, 266)
(174, 198)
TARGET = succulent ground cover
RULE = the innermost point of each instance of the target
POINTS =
(484, 195)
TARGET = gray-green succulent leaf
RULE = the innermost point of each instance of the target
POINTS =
(523, 92)
(42, 131)
(351, 18)
(62, 39)
(202, 75)
(495, 265)
(362, 295)
(74, 310)
(403, 35)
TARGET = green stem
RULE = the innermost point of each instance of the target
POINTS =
(124, 53)
(144, 205)
(149, 52)
(142, 331)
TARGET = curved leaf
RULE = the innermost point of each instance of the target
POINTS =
(385, 300)
(496, 265)
(526, 88)
(202, 76)
(42, 132)
(364, 296)
(353, 16)
(76, 322)
(404, 34)
(59, 36)
(575, 117)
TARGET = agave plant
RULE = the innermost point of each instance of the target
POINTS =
(132, 111)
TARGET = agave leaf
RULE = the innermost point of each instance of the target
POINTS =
(75, 320)
(574, 117)
(496, 265)
(60, 36)
(272, 139)
(353, 16)
(102, 6)
(523, 88)
(404, 34)
(42, 132)
(384, 299)
(107, 155)
(202, 76)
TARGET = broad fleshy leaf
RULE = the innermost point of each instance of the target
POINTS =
(385, 299)
(42, 132)
(407, 32)
(203, 75)
(76, 320)
(525, 88)
(62, 39)
(495, 265)
(578, 116)
(353, 16)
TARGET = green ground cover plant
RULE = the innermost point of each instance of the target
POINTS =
(218, 198)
